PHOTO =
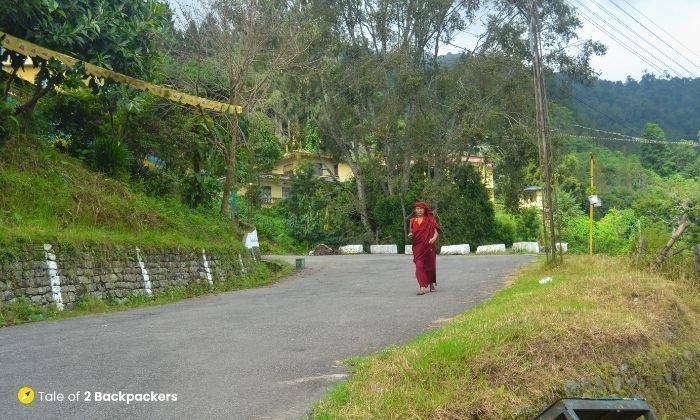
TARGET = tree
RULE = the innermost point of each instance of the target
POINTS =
(121, 36)
(241, 46)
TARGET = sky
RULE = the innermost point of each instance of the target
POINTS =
(679, 19)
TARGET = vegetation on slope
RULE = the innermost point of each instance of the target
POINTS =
(50, 197)
(600, 328)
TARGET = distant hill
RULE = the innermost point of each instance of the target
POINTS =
(625, 107)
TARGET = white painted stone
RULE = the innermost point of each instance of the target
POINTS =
(351, 249)
(206, 268)
(54, 279)
(526, 247)
(251, 239)
(408, 250)
(144, 273)
(461, 249)
(487, 249)
(383, 249)
(240, 261)
(564, 246)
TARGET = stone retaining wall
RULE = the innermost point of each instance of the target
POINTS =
(62, 277)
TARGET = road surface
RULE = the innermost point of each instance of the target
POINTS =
(266, 353)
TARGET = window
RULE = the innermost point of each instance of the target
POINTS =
(266, 194)
(286, 191)
(335, 170)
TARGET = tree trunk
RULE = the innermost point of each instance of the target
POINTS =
(696, 251)
(361, 198)
(230, 180)
(684, 224)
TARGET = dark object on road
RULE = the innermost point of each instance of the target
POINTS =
(300, 263)
(597, 409)
(323, 249)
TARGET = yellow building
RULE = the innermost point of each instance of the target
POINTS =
(532, 197)
(27, 73)
(276, 184)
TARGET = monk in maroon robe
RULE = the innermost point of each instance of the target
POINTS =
(424, 229)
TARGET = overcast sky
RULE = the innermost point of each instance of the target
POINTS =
(679, 19)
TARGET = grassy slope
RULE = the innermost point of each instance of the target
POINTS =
(46, 196)
(599, 329)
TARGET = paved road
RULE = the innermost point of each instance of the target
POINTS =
(253, 354)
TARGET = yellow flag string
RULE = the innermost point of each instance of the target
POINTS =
(32, 50)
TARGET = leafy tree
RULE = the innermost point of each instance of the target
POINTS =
(117, 35)
(237, 47)
(307, 203)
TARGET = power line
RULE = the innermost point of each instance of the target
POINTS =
(613, 27)
(622, 44)
(641, 37)
(638, 141)
(622, 137)
(654, 33)
(662, 29)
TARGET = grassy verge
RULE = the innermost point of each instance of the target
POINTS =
(600, 328)
(46, 196)
(262, 274)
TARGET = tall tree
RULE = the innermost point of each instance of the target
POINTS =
(241, 46)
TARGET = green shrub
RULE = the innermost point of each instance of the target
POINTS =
(156, 182)
(8, 123)
(505, 229)
(200, 190)
(110, 156)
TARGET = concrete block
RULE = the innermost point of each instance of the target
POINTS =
(408, 250)
(533, 247)
(462, 249)
(490, 249)
(383, 249)
(350, 249)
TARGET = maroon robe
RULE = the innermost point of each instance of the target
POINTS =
(424, 252)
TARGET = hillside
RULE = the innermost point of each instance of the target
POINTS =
(674, 104)
(49, 196)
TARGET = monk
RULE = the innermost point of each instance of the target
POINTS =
(424, 230)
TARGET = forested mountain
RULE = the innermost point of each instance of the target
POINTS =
(625, 107)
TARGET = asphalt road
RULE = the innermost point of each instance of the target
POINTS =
(266, 353)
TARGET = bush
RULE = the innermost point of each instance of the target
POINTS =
(8, 123)
(110, 156)
(200, 190)
(156, 182)
(505, 229)
(271, 224)
(528, 225)
(613, 234)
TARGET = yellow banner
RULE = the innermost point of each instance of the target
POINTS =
(32, 50)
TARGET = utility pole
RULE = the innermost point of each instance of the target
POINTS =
(590, 212)
(543, 139)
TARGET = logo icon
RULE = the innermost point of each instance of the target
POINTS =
(25, 395)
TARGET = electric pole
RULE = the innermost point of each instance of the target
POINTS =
(543, 139)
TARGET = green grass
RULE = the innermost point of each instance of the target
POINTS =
(47, 196)
(601, 328)
(22, 311)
